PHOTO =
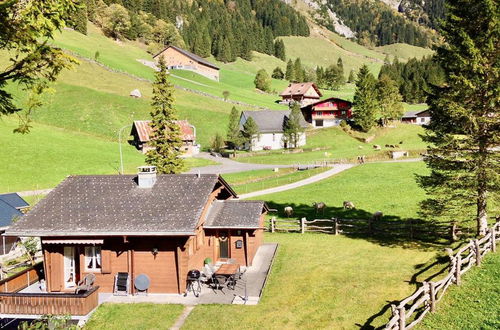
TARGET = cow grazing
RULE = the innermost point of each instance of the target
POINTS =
(376, 147)
(377, 216)
(348, 205)
(288, 210)
(319, 207)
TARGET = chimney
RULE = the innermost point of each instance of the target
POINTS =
(146, 178)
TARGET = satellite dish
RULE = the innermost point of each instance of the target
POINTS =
(142, 282)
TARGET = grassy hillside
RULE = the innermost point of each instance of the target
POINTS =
(404, 51)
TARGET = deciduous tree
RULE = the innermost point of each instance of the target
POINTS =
(26, 28)
(278, 73)
(166, 138)
(262, 81)
(389, 99)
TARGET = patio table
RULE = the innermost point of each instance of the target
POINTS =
(230, 271)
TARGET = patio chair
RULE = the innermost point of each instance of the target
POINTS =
(122, 284)
(207, 274)
(85, 284)
(220, 281)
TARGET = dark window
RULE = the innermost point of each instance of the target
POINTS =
(319, 122)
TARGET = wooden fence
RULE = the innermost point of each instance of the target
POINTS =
(22, 279)
(411, 228)
(411, 310)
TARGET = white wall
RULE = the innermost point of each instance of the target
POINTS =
(327, 123)
(273, 140)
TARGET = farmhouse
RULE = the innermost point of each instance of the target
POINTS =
(417, 117)
(177, 58)
(271, 126)
(327, 112)
(158, 225)
(303, 93)
(141, 132)
(11, 207)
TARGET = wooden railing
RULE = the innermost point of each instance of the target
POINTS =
(49, 303)
(411, 228)
(411, 310)
(22, 279)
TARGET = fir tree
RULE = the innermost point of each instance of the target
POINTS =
(250, 132)
(233, 129)
(352, 77)
(279, 49)
(166, 139)
(298, 70)
(217, 143)
(365, 100)
(333, 78)
(262, 81)
(278, 73)
(389, 99)
(79, 19)
(463, 133)
(293, 130)
(289, 73)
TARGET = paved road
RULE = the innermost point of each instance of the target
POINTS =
(318, 177)
(229, 166)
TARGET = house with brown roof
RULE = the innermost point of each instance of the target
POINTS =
(141, 132)
(328, 112)
(178, 58)
(303, 93)
(160, 226)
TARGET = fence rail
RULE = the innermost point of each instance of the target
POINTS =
(410, 228)
(411, 310)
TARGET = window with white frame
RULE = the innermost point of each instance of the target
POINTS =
(93, 258)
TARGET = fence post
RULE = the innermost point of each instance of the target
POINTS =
(478, 252)
(302, 225)
(336, 226)
(273, 219)
(458, 264)
(402, 318)
(493, 239)
(432, 291)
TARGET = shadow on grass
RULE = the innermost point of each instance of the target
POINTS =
(390, 230)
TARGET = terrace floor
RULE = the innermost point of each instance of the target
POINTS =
(250, 286)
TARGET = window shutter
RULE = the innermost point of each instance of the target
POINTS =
(106, 261)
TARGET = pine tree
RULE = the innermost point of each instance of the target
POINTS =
(279, 49)
(233, 129)
(250, 132)
(293, 130)
(389, 99)
(333, 77)
(298, 70)
(262, 81)
(79, 19)
(463, 132)
(365, 100)
(166, 136)
(91, 9)
(289, 73)
(352, 77)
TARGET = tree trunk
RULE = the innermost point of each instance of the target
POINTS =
(482, 191)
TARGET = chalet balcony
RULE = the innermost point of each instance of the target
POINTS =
(23, 296)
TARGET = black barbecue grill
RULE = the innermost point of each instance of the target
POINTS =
(193, 282)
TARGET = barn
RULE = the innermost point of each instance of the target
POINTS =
(158, 225)
(178, 58)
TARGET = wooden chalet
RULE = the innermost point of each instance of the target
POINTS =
(141, 132)
(303, 93)
(158, 225)
(417, 117)
(178, 58)
(327, 112)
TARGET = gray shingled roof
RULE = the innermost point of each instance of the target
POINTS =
(13, 199)
(7, 214)
(413, 114)
(190, 55)
(235, 214)
(115, 205)
(270, 121)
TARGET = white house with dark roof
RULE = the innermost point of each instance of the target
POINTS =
(417, 117)
(271, 126)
